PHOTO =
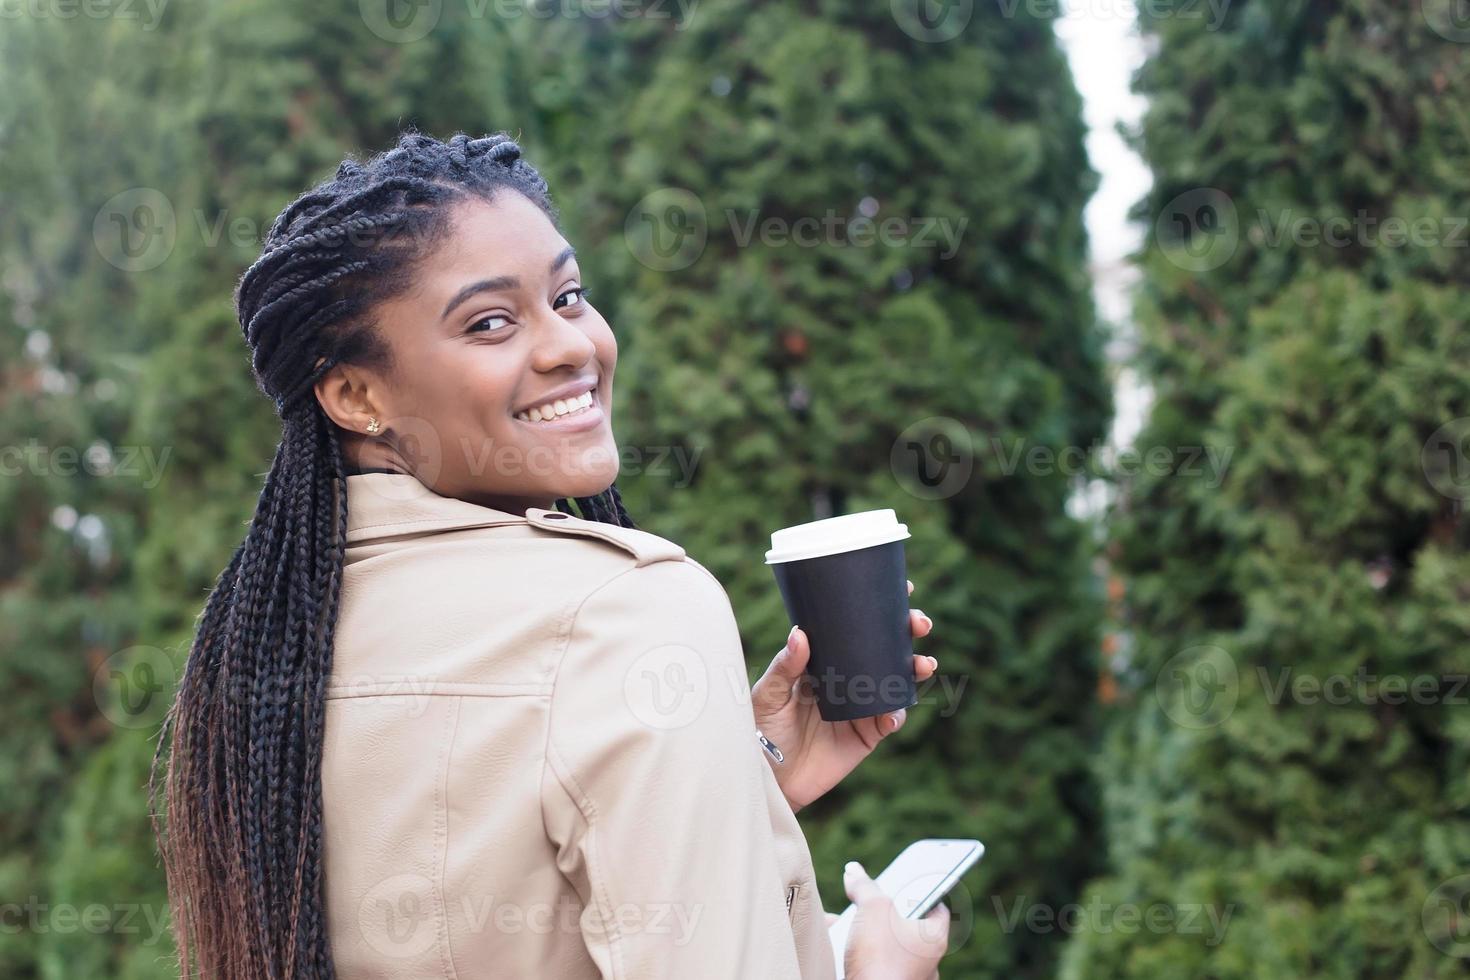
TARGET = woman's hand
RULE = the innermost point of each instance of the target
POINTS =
(883, 945)
(819, 753)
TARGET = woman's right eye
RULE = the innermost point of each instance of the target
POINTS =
(476, 327)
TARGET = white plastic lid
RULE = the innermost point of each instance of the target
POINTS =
(834, 535)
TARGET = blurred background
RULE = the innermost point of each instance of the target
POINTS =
(1150, 321)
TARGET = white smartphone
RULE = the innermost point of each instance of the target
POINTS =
(916, 880)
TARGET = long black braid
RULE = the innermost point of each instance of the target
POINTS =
(243, 848)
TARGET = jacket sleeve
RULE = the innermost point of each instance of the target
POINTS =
(653, 789)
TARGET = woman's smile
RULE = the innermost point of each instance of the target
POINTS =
(566, 415)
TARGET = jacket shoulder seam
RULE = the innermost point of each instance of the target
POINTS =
(433, 520)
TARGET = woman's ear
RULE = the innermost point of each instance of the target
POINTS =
(350, 397)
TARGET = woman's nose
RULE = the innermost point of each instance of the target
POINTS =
(560, 341)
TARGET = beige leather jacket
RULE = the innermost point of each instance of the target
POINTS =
(540, 758)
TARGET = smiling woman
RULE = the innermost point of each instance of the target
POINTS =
(426, 691)
(399, 316)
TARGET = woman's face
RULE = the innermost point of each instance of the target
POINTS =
(494, 327)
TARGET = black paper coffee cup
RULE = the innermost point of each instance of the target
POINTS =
(844, 582)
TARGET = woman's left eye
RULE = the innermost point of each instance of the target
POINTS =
(476, 326)
(580, 292)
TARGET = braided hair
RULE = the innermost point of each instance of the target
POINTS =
(243, 848)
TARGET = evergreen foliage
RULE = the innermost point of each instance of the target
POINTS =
(1292, 746)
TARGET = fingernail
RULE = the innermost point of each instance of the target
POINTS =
(896, 719)
(792, 633)
(933, 664)
(852, 868)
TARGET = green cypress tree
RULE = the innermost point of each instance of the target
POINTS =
(132, 195)
(235, 105)
(1278, 796)
(776, 367)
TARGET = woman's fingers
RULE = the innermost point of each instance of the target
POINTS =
(859, 887)
(919, 623)
(891, 721)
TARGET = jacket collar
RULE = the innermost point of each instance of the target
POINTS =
(386, 504)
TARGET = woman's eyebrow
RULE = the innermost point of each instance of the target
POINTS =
(501, 283)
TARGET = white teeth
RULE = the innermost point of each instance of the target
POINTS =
(557, 409)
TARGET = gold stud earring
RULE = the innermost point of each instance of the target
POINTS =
(373, 424)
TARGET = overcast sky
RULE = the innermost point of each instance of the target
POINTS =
(1104, 48)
